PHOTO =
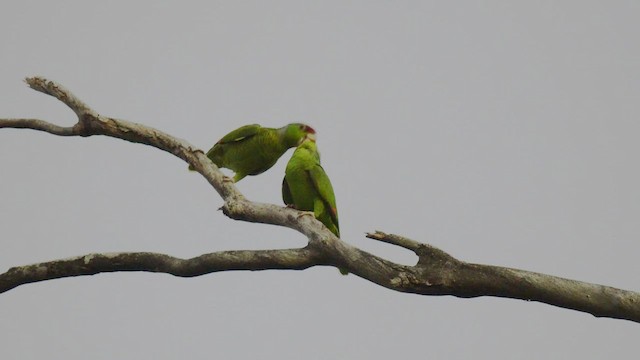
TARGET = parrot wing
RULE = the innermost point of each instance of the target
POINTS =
(322, 184)
(240, 134)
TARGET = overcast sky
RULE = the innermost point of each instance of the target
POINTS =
(502, 132)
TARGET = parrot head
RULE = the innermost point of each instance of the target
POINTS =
(295, 133)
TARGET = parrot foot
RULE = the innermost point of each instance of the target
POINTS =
(303, 213)
(227, 179)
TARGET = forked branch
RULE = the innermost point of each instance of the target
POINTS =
(436, 273)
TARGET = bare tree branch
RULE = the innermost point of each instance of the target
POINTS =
(436, 273)
(92, 264)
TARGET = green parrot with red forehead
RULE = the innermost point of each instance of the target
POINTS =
(253, 149)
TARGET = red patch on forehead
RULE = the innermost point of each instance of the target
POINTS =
(309, 129)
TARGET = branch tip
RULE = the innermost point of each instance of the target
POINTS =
(59, 92)
(395, 240)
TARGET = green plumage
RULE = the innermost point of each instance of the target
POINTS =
(253, 149)
(307, 187)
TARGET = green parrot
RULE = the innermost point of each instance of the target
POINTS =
(253, 149)
(307, 187)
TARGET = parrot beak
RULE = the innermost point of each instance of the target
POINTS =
(311, 136)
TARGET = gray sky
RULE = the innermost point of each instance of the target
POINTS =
(502, 132)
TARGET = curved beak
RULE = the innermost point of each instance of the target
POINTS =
(310, 136)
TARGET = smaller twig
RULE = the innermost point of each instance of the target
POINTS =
(61, 93)
(395, 240)
(37, 124)
(427, 254)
